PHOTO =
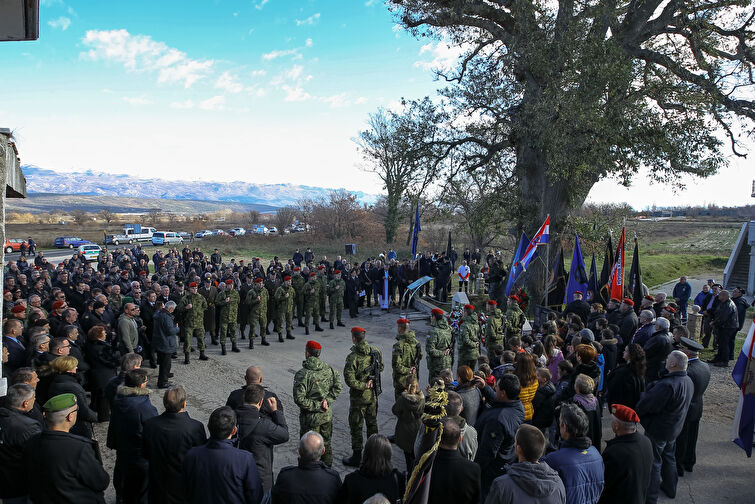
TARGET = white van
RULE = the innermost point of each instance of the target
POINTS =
(166, 238)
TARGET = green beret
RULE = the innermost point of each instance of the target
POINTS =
(60, 402)
(128, 299)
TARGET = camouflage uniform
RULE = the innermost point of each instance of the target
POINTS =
(313, 383)
(312, 302)
(514, 321)
(228, 313)
(284, 298)
(323, 293)
(115, 301)
(257, 311)
(193, 319)
(209, 295)
(438, 341)
(336, 288)
(494, 329)
(297, 282)
(272, 306)
(407, 354)
(469, 341)
(363, 401)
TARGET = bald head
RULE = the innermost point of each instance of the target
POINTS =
(253, 375)
(311, 447)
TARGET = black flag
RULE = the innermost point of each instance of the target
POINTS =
(605, 274)
(635, 278)
(592, 283)
(557, 283)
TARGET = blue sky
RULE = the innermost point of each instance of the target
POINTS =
(264, 91)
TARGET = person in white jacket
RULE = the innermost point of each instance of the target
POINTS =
(463, 277)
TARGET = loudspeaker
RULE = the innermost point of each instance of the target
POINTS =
(351, 248)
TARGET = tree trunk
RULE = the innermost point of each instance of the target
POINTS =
(391, 218)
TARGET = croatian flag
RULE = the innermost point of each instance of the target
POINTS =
(744, 376)
(540, 238)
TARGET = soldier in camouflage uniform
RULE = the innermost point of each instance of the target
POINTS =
(209, 292)
(257, 299)
(115, 300)
(364, 388)
(243, 317)
(469, 338)
(312, 303)
(514, 318)
(192, 307)
(336, 288)
(227, 301)
(322, 277)
(494, 325)
(284, 298)
(316, 387)
(407, 354)
(271, 284)
(297, 282)
(439, 345)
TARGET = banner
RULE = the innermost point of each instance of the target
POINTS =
(556, 283)
(744, 376)
(592, 284)
(541, 238)
(616, 285)
(415, 236)
(516, 269)
(577, 274)
(635, 279)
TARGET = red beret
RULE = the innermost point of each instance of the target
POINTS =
(337, 272)
(286, 278)
(314, 345)
(624, 413)
(18, 309)
(58, 304)
(437, 311)
(124, 273)
(493, 302)
(229, 281)
(402, 321)
(649, 297)
(258, 280)
(321, 267)
(669, 309)
(578, 292)
(61, 264)
(628, 301)
(193, 284)
(142, 272)
(469, 307)
(514, 297)
(37, 267)
(6, 291)
(313, 274)
(296, 268)
(355, 330)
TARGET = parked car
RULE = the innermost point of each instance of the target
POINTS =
(185, 235)
(90, 252)
(238, 231)
(272, 230)
(13, 245)
(69, 242)
(166, 238)
(260, 229)
(203, 234)
(218, 232)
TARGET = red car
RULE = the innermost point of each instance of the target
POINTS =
(13, 245)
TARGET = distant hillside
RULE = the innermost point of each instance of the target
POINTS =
(45, 202)
(91, 183)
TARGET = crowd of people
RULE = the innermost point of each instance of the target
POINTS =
(518, 419)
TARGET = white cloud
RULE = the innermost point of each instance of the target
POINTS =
(261, 3)
(281, 53)
(311, 20)
(295, 94)
(444, 56)
(229, 82)
(139, 53)
(188, 104)
(62, 22)
(136, 100)
(214, 103)
(360, 100)
(107, 91)
(294, 72)
(308, 43)
(259, 73)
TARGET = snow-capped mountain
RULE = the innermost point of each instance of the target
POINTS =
(41, 180)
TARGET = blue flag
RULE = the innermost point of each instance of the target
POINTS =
(417, 229)
(577, 274)
(516, 269)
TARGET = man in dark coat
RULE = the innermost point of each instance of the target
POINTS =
(699, 372)
(737, 297)
(258, 434)
(726, 323)
(662, 410)
(579, 307)
(68, 462)
(628, 459)
(454, 478)
(216, 471)
(164, 332)
(311, 480)
(16, 350)
(628, 322)
(253, 376)
(682, 292)
(131, 409)
(657, 349)
(645, 331)
(165, 441)
(16, 429)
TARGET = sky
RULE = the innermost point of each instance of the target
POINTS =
(265, 91)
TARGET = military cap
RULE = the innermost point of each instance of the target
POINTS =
(124, 273)
(493, 302)
(313, 274)
(578, 292)
(649, 297)
(691, 344)
(321, 267)
(128, 299)
(229, 281)
(628, 301)
(60, 402)
(258, 280)
(142, 272)
(402, 321)
(469, 307)
(357, 330)
(313, 345)
(624, 413)
(669, 309)
(6, 291)
(337, 272)
(286, 278)
(437, 311)
(296, 268)
(58, 304)
(515, 298)
(18, 309)
(192, 284)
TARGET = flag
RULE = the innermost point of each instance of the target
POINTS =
(541, 238)
(417, 229)
(592, 283)
(577, 274)
(635, 278)
(616, 287)
(516, 269)
(744, 376)
(556, 283)
(605, 274)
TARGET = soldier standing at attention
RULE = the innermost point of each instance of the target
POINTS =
(439, 345)
(469, 340)
(271, 284)
(362, 375)
(514, 318)
(407, 354)
(298, 281)
(494, 325)
(209, 292)
(316, 387)
(228, 302)
(336, 288)
(284, 297)
(257, 300)
(192, 306)
(323, 279)
(312, 303)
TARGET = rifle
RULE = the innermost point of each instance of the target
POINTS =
(374, 372)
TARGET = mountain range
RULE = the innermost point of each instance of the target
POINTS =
(93, 183)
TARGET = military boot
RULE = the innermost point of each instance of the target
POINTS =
(341, 324)
(331, 325)
(318, 328)
(202, 356)
(289, 335)
(354, 460)
(280, 337)
(222, 349)
(243, 336)
(251, 342)
(234, 348)
(186, 357)
(264, 342)
(323, 319)
(301, 324)
(214, 339)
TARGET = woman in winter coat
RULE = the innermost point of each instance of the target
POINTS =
(408, 410)
(544, 408)
(627, 382)
(586, 356)
(524, 369)
(65, 382)
(104, 363)
(471, 397)
(375, 475)
(553, 355)
(586, 400)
